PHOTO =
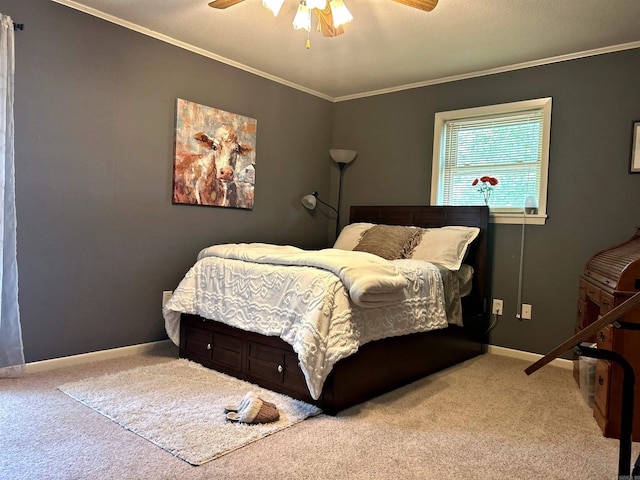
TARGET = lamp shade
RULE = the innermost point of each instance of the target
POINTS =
(309, 201)
(302, 20)
(319, 4)
(340, 155)
(273, 5)
(340, 12)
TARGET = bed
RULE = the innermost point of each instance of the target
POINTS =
(375, 363)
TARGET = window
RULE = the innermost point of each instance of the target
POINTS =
(509, 142)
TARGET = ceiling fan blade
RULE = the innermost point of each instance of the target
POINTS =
(325, 24)
(223, 3)
(426, 5)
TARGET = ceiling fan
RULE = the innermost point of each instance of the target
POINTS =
(325, 15)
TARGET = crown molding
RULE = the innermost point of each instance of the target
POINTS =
(454, 78)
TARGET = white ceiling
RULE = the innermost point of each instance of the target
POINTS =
(388, 46)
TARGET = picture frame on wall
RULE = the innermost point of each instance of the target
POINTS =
(635, 148)
(215, 157)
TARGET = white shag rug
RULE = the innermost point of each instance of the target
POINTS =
(179, 406)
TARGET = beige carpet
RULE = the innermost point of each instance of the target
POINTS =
(179, 406)
(482, 420)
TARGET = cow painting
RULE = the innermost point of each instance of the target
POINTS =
(214, 160)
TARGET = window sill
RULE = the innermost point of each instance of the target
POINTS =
(517, 218)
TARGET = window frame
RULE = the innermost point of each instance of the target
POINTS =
(437, 172)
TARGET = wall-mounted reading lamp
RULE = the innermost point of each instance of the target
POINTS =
(342, 157)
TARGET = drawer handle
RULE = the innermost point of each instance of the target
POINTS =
(600, 381)
(602, 337)
(280, 369)
(208, 346)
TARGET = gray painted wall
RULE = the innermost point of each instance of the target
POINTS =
(593, 202)
(98, 237)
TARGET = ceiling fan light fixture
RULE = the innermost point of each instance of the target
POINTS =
(340, 12)
(273, 5)
(319, 4)
(302, 20)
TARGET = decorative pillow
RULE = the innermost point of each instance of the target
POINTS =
(350, 235)
(389, 241)
(446, 246)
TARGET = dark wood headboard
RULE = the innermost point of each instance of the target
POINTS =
(440, 216)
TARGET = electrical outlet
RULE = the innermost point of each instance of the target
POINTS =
(166, 295)
(497, 306)
(526, 311)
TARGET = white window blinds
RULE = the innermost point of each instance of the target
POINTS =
(507, 147)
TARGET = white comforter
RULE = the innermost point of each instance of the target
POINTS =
(370, 280)
(309, 306)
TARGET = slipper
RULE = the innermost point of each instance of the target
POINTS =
(257, 411)
(243, 403)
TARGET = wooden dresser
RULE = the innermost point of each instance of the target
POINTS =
(610, 277)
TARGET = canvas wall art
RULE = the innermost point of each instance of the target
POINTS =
(215, 157)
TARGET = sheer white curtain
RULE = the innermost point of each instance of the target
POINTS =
(11, 351)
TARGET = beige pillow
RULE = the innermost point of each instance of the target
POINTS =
(350, 235)
(446, 246)
(389, 241)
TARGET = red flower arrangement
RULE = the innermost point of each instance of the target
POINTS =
(487, 184)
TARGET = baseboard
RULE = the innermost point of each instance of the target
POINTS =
(532, 357)
(54, 363)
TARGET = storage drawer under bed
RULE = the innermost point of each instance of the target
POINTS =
(267, 361)
(210, 347)
(275, 366)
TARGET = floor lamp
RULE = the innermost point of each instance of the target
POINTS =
(342, 157)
